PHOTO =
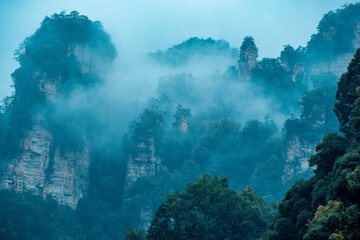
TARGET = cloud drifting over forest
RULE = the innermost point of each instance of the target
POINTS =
(143, 26)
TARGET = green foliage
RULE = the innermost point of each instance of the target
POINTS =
(214, 142)
(224, 131)
(182, 53)
(336, 179)
(135, 234)
(210, 209)
(248, 46)
(332, 147)
(273, 79)
(343, 183)
(265, 178)
(272, 73)
(317, 117)
(327, 205)
(48, 58)
(335, 222)
(335, 33)
(23, 216)
(317, 107)
(146, 130)
(290, 57)
(346, 97)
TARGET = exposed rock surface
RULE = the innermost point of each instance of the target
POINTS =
(40, 167)
(297, 153)
(141, 165)
(336, 65)
(181, 120)
(144, 164)
(248, 58)
(297, 149)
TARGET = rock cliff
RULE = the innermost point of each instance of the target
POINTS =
(40, 168)
(142, 150)
(296, 154)
(141, 165)
(42, 165)
(316, 120)
(328, 53)
(247, 58)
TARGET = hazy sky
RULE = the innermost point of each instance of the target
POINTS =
(141, 26)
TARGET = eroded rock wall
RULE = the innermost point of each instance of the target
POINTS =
(296, 154)
(40, 167)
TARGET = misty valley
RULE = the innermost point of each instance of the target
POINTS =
(225, 146)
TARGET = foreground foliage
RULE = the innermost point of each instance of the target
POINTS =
(210, 209)
(327, 205)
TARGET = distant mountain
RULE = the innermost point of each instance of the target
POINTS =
(194, 47)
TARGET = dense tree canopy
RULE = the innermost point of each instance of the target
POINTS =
(182, 53)
(327, 205)
(190, 137)
(335, 33)
(210, 209)
(346, 97)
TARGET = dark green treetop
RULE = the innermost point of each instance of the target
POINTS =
(347, 96)
(210, 209)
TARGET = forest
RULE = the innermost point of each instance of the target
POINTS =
(226, 146)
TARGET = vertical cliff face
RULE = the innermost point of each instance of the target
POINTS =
(181, 120)
(44, 164)
(332, 48)
(336, 64)
(142, 149)
(40, 168)
(316, 120)
(328, 53)
(297, 153)
(247, 58)
(141, 165)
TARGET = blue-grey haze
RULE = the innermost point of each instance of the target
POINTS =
(139, 26)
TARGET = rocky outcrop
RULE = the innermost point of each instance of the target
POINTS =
(182, 116)
(40, 167)
(91, 60)
(297, 153)
(141, 165)
(335, 64)
(317, 119)
(41, 170)
(247, 58)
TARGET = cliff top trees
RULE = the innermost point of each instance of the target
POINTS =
(182, 53)
(335, 32)
(210, 209)
(52, 47)
(148, 125)
(52, 60)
